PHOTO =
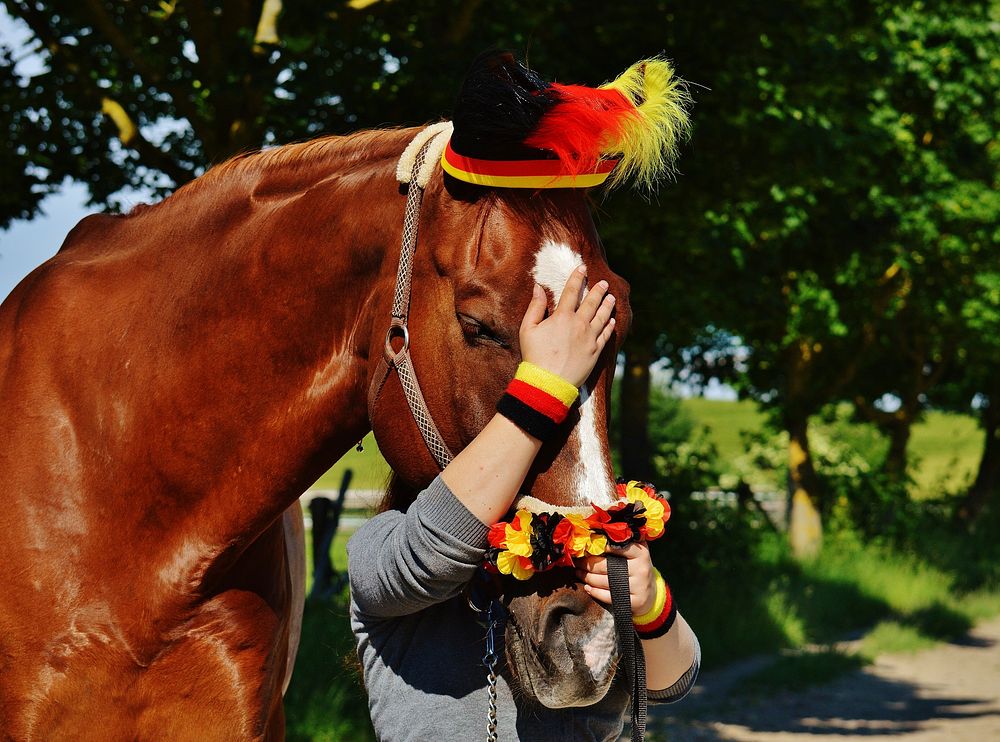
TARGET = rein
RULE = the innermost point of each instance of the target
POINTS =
(630, 647)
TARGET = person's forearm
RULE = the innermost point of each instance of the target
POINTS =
(487, 474)
(669, 656)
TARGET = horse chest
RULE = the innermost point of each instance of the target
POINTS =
(218, 678)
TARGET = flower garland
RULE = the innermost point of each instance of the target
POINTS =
(536, 542)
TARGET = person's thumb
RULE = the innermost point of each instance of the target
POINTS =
(536, 308)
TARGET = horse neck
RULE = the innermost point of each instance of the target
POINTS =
(257, 375)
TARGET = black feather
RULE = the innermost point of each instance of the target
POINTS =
(499, 105)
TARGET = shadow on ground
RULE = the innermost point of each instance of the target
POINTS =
(858, 705)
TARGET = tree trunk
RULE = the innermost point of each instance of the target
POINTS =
(633, 422)
(988, 477)
(899, 439)
(805, 526)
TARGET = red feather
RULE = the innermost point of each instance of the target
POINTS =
(581, 124)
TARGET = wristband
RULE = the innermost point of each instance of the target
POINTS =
(537, 401)
(658, 620)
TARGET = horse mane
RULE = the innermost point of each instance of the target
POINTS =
(295, 163)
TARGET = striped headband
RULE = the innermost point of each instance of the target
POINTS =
(522, 173)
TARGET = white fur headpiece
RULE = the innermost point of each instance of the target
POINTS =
(438, 135)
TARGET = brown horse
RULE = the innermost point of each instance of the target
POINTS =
(173, 379)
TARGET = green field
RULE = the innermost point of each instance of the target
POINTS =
(944, 449)
(369, 468)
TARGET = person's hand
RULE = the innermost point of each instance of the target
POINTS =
(592, 571)
(569, 341)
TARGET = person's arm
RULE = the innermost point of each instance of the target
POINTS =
(400, 563)
(486, 475)
(673, 659)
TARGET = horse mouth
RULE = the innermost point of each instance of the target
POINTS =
(564, 660)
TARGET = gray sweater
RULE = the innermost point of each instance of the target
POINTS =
(421, 647)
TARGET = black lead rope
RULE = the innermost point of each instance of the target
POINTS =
(629, 645)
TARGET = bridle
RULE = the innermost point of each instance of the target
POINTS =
(433, 139)
(400, 360)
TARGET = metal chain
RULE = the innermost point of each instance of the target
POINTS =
(490, 658)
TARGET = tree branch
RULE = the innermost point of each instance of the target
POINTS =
(106, 26)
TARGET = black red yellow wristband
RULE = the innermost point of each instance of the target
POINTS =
(658, 620)
(537, 401)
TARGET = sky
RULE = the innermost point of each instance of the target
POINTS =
(27, 244)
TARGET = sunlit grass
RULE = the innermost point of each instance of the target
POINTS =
(944, 448)
(894, 637)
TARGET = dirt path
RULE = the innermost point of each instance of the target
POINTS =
(950, 693)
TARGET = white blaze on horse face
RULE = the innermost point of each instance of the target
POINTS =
(592, 483)
(554, 262)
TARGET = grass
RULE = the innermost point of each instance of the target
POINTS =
(892, 637)
(801, 670)
(775, 605)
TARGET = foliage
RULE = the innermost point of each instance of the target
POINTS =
(832, 234)
(769, 601)
(684, 456)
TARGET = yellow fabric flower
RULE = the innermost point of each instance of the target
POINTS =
(598, 544)
(584, 540)
(635, 492)
(512, 564)
(519, 539)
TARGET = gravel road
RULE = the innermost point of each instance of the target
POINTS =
(949, 693)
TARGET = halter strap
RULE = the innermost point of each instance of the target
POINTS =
(427, 140)
(629, 644)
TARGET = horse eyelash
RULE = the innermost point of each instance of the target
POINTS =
(483, 331)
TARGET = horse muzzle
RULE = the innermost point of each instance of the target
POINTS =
(561, 646)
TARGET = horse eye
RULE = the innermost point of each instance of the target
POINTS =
(477, 331)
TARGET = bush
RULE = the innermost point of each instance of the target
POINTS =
(683, 456)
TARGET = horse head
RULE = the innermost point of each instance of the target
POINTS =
(481, 248)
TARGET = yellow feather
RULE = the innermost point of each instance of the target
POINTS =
(649, 141)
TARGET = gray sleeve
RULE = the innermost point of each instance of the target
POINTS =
(683, 685)
(400, 563)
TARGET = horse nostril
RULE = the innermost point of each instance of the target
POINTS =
(564, 611)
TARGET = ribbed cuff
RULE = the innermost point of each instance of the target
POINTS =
(448, 513)
(683, 685)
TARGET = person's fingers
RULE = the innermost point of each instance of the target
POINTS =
(632, 551)
(603, 313)
(597, 565)
(593, 579)
(602, 596)
(535, 312)
(606, 334)
(592, 301)
(570, 298)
